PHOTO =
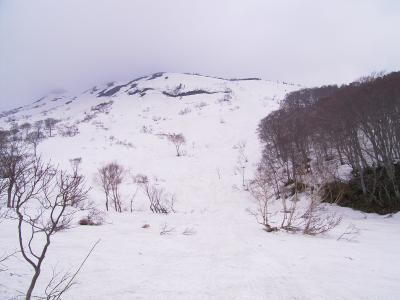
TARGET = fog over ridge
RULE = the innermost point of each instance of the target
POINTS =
(74, 44)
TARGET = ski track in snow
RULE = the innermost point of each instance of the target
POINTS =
(229, 256)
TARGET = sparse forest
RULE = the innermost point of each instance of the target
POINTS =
(317, 130)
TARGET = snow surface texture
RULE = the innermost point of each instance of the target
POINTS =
(227, 255)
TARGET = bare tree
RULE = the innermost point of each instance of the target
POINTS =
(105, 184)
(111, 177)
(38, 125)
(49, 124)
(178, 140)
(14, 161)
(26, 127)
(35, 138)
(43, 207)
(260, 189)
(3, 181)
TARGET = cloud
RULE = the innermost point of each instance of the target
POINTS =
(75, 44)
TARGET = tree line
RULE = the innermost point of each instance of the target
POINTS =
(316, 130)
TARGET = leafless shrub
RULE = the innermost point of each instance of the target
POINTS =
(227, 96)
(95, 217)
(242, 161)
(178, 140)
(99, 125)
(68, 130)
(265, 188)
(134, 195)
(124, 143)
(111, 176)
(103, 107)
(160, 201)
(320, 223)
(88, 117)
(189, 231)
(350, 233)
(185, 111)
(56, 285)
(60, 283)
(260, 189)
(316, 220)
(218, 173)
(291, 215)
(165, 229)
(146, 129)
(200, 105)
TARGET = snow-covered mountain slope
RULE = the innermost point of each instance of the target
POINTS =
(228, 255)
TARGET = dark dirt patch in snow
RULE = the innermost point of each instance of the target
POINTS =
(244, 79)
(189, 93)
(141, 92)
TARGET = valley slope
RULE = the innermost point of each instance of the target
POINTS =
(228, 255)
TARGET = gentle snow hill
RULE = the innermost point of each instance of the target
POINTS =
(229, 256)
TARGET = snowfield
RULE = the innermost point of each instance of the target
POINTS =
(214, 249)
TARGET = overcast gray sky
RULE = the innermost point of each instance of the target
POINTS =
(74, 44)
